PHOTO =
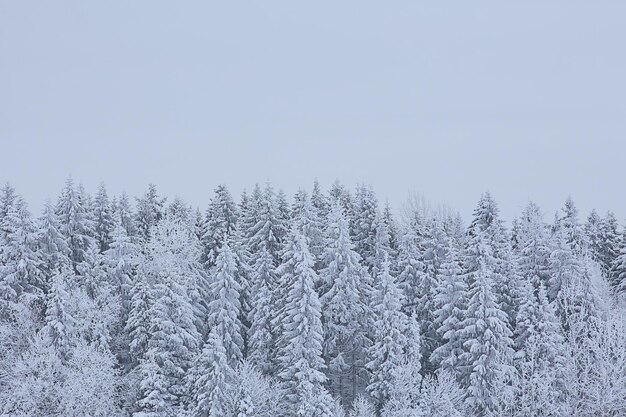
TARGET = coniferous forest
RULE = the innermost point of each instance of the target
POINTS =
(327, 303)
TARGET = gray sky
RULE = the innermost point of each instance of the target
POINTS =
(526, 99)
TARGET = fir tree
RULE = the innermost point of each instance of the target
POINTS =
(301, 348)
(150, 210)
(346, 313)
(390, 341)
(224, 307)
(103, 219)
(76, 225)
(210, 378)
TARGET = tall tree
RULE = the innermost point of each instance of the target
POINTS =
(346, 312)
(224, 307)
(391, 344)
(76, 225)
(220, 224)
(150, 210)
(301, 347)
(103, 219)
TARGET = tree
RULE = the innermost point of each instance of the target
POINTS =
(390, 341)
(60, 324)
(301, 354)
(76, 225)
(487, 338)
(224, 307)
(220, 224)
(450, 305)
(260, 335)
(363, 226)
(20, 263)
(103, 219)
(138, 323)
(52, 245)
(211, 378)
(618, 270)
(150, 210)
(346, 312)
(174, 338)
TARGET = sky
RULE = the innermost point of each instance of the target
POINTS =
(445, 99)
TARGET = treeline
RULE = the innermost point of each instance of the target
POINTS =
(322, 305)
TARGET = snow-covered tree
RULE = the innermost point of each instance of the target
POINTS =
(486, 337)
(74, 217)
(59, 327)
(390, 341)
(211, 378)
(450, 304)
(150, 210)
(345, 308)
(220, 224)
(300, 359)
(224, 307)
(103, 219)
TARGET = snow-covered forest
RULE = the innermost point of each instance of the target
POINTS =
(327, 303)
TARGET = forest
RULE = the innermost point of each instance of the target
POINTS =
(327, 303)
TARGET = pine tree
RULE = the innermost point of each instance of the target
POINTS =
(570, 225)
(52, 246)
(609, 246)
(618, 269)
(260, 335)
(150, 210)
(450, 304)
(210, 378)
(76, 225)
(346, 312)
(59, 327)
(224, 307)
(363, 225)
(220, 224)
(138, 323)
(20, 263)
(300, 359)
(170, 349)
(122, 210)
(121, 260)
(486, 335)
(103, 219)
(390, 341)
(536, 322)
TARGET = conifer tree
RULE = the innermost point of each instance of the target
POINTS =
(103, 219)
(20, 262)
(76, 226)
(52, 245)
(346, 311)
(150, 210)
(390, 341)
(487, 337)
(300, 359)
(450, 303)
(261, 337)
(220, 224)
(224, 307)
(59, 327)
(210, 379)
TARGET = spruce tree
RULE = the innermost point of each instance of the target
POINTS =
(224, 307)
(300, 359)
(76, 225)
(486, 336)
(346, 312)
(103, 219)
(390, 342)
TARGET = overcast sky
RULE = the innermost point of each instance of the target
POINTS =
(449, 99)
